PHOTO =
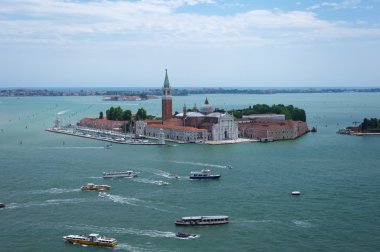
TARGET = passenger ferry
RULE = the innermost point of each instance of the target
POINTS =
(91, 239)
(204, 174)
(93, 187)
(120, 174)
(202, 220)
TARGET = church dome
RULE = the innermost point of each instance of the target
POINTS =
(206, 108)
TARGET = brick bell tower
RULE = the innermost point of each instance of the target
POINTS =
(166, 99)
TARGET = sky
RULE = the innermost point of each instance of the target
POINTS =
(202, 43)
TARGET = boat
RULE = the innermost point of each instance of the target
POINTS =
(202, 220)
(91, 239)
(173, 175)
(2, 205)
(204, 174)
(108, 146)
(296, 193)
(120, 174)
(185, 235)
(93, 187)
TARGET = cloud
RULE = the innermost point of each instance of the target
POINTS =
(349, 4)
(155, 22)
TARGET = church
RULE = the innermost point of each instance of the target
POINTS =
(197, 126)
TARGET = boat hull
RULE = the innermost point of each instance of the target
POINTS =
(95, 188)
(100, 244)
(195, 223)
(208, 177)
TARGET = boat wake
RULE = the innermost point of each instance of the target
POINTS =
(55, 191)
(303, 224)
(62, 112)
(120, 199)
(203, 164)
(150, 181)
(130, 201)
(165, 174)
(127, 247)
(121, 230)
(51, 202)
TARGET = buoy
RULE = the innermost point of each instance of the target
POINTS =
(297, 193)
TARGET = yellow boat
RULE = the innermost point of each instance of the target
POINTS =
(93, 187)
(91, 239)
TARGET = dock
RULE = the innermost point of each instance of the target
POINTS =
(110, 138)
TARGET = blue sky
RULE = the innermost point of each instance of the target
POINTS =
(202, 43)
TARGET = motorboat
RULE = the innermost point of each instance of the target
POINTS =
(2, 205)
(204, 174)
(93, 187)
(185, 235)
(296, 193)
(202, 220)
(91, 239)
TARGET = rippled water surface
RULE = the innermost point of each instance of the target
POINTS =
(338, 176)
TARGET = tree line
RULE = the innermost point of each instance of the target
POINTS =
(372, 123)
(290, 112)
(118, 114)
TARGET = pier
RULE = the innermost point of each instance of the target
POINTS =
(106, 136)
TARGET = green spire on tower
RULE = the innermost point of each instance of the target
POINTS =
(166, 83)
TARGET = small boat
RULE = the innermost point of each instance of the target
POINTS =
(93, 187)
(120, 174)
(2, 205)
(173, 175)
(204, 174)
(296, 193)
(91, 239)
(108, 146)
(185, 235)
(202, 220)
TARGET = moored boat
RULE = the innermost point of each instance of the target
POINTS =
(202, 220)
(91, 239)
(296, 193)
(93, 187)
(204, 174)
(120, 174)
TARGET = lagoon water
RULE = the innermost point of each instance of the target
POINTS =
(338, 176)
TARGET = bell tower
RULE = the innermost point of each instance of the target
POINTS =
(166, 99)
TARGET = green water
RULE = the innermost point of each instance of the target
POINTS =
(338, 176)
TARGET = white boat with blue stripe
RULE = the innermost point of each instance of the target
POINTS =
(204, 174)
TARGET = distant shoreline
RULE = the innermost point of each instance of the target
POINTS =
(19, 92)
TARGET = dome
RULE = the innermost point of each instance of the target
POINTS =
(206, 108)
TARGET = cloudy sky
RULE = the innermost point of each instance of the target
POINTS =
(202, 43)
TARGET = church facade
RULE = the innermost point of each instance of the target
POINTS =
(189, 126)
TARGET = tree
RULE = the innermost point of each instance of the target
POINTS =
(127, 115)
(365, 124)
(141, 114)
(299, 115)
(101, 115)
